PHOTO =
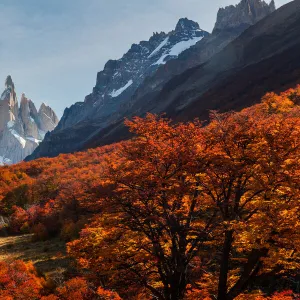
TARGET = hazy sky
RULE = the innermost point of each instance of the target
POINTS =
(54, 48)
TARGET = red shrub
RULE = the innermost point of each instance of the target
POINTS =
(18, 280)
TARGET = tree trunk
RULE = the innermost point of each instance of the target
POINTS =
(251, 269)
(178, 287)
(223, 277)
(177, 284)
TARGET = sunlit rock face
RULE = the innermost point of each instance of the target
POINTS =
(22, 127)
(242, 15)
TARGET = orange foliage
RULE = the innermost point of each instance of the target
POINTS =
(50, 297)
(18, 280)
(181, 211)
(177, 194)
(107, 295)
(18, 219)
(76, 288)
(286, 295)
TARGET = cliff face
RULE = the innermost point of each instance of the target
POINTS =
(8, 104)
(47, 119)
(22, 128)
(243, 15)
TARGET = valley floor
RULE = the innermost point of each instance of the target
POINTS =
(48, 257)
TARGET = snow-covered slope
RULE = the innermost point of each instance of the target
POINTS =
(21, 128)
(120, 78)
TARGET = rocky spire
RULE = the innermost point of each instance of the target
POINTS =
(21, 127)
(29, 117)
(9, 82)
(8, 104)
(272, 5)
(242, 15)
(184, 24)
(47, 117)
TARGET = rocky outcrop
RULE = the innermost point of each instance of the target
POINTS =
(22, 128)
(28, 117)
(8, 104)
(129, 86)
(47, 118)
(242, 15)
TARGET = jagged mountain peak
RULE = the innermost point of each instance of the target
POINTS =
(21, 127)
(44, 106)
(244, 14)
(9, 92)
(47, 117)
(9, 82)
(119, 79)
(27, 107)
(272, 5)
(48, 111)
(184, 24)
(24, 99)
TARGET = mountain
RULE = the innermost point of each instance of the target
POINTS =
(22, 127)
(264, 58)
(125, 87)
(231, 22)
(120, 78)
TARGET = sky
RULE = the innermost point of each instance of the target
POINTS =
(53, 49)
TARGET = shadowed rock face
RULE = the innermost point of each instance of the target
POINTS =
(151, 66)
(21, 128)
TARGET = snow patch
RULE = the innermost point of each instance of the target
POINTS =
(184, 45)
(177, 49)
(116, 74)
(161, 45)
(116, 93)
(161, 61)
(32, 139)
(4, 161)
(21, 140)
(5, 94)
(42, 134)
(51, 121)
(10, 124)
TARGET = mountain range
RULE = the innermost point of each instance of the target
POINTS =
(152, 77)
(22, 127)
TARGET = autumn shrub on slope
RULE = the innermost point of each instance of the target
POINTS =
(19, 281)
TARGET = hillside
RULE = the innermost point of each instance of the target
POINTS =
(182, 211)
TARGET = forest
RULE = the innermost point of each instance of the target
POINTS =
(181, 211)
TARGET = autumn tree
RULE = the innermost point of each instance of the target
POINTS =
(186, 207)
(253, 179)
(150, 227)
